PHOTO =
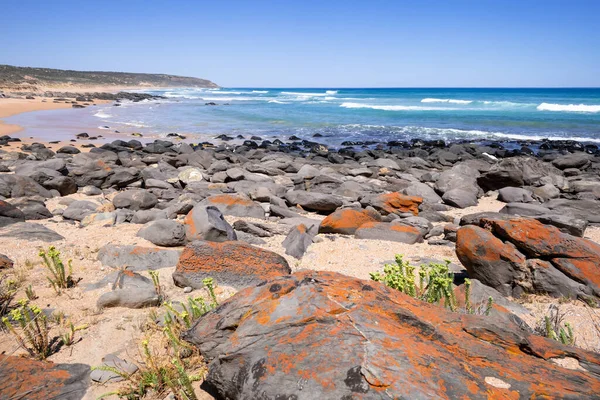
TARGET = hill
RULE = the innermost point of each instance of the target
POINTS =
(14, 78)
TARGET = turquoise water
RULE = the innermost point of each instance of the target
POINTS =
(362, 114)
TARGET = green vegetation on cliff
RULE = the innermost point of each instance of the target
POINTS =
(26, 78)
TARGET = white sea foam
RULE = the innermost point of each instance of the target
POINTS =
(101, 114)
(260, 91)
(229, 98)
(453, 101)
(393, 108)
(278, 102)
(331, 92)
(569, 107)
(307, 94)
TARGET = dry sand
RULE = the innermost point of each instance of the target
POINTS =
(10, 107)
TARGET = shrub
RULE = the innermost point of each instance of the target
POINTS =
(435, 281)
(60, 278)
(7, 295)
(168, 363)
(554, 327)
(33, 334)
(435, 284)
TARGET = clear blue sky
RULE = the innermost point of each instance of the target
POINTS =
(308, 43)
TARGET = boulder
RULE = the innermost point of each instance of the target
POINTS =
(134, 200)
(232, 263)
(490, 260)
(392, 203)
(23, 378)
(525, 209)
(575, 160)
(424, 191)
(521, 171)
(21, 186)
(460, 176)
(5, 262)
(252, 229)
(323, 335)
(347, 221)
(460, 198)
(389, 232)
(137, 258)
(130, 290)
(207, 223)
(99, 219)
(235, 205)
(145, 216)
(298, 239)
(30, 231)
(165, 232)
(523, 255)
(79, 209)
(32, 208)
(515, 195)
(190, 175)
(63, 184)
(577, 258)
(313, 201)
(588, 210)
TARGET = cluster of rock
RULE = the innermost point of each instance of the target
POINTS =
(518, 255)
(366, 340)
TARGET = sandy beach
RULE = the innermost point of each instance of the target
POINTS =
(10, 107)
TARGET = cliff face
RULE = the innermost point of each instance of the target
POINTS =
(32, 79)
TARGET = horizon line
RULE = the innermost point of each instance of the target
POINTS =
(410, 87)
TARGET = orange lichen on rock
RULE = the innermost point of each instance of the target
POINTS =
(576, 257)
(325, 335)
(230, 263)
(229, 200)
(22, 378)
(396, 202)
(347, 221)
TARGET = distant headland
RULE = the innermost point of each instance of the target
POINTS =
(28, 79)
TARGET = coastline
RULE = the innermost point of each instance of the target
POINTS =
(10, 107)
(15, 104)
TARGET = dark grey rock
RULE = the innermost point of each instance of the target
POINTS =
(313, 201)
(298, 239)
(145, 216)
(79, 209)
(460, 198)
(137, 258)
(207, 223)
(514, 195)
(30, 231)
(135, 200)
(166, 233)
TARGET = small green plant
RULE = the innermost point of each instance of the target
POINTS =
(34, 329)
(489, 306)
(555, 327)
(209, 283)
(30, 293)
(173, 364)
(67, 336)
(156, 281)
(435, 281)
(7, 295)
(60, 277)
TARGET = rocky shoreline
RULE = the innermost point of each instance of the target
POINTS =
(209, 210)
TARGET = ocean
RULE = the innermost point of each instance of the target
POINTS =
(345, 115)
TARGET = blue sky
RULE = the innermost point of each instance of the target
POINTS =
(420, 43)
